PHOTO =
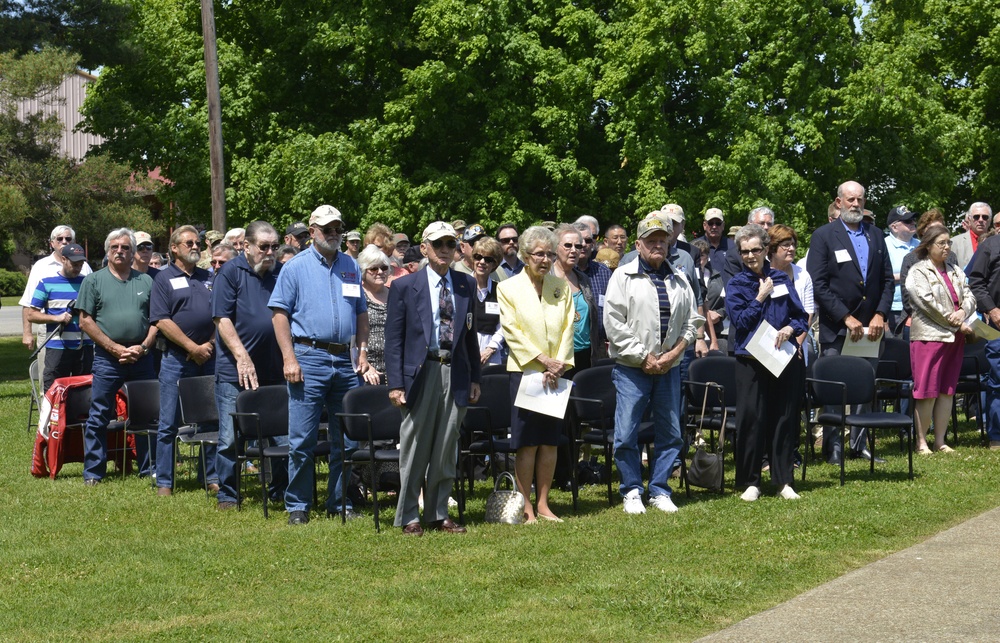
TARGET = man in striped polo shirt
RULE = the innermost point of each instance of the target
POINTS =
(69, 352)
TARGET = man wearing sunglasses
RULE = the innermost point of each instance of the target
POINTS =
(977, 222)
(432, 367)
(143, 254)
(181, 308)
(511, 263)
(61, 236)
(318, 310)
(297, 236)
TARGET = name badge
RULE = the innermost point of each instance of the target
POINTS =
(600, 300)
(179, 282)
(492, 308)
(781, 290)
(351, 290)
(842, 256)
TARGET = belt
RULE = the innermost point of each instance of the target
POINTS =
(333, 349)
(443, 357)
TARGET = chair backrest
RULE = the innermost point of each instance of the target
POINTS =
(855, 372)
(143, 398)
(494, 369)
(720, 369)
(894, 360)
(197, 399)
(33, 377)
(373, 400)
(594, 383)
(494, 397)
(270, 404)
(77, 407)
(974, 360)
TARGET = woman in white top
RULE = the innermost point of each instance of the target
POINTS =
(781, 252)
(486, 256)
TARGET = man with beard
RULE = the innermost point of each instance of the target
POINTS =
(511, 264)
(318, 309)
(248, 353)
(853, 287)
(114, 312)
(181, 308)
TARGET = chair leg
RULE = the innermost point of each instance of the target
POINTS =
(845, 442)
(607, 471)
(263, 485)
(909, 449)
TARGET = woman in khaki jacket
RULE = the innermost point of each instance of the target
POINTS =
(941, 302)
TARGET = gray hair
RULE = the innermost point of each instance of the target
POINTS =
(534, 236)
(752, 231)
(256, 229)
(59, 228)
(235, 233)
(118, 234)
(372, 255)
(595, 227)
(763, 209)
(225, 247)
(563, 228)
(977, 204)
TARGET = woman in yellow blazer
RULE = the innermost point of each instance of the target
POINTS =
(536, 315)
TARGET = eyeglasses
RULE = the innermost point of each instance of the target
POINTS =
(267, 247)
(330, 230)
(787, 245)
(507, 240)
(144, 246)
(449, 243)
(65, 239)
(217, 262)
(980, 217)
(943, 244)
(751, 251)
(485, 258)
(375, 269)
(189, 244)
(542, 255)
(570, 246)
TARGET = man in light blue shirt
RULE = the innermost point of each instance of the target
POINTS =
(900, 241)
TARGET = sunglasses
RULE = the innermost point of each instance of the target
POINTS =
(508, 240)
(189, 244)
(66, 239)
(330, 230)
(450, 244)
(588, 242)
(980, 217)
(375, 269)
(713, 223)
(217, 262)
(490, 260)
(267, 247)
(751, 251)
(570, 246)
(145, 246)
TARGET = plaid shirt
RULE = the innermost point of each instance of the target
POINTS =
(600, 276)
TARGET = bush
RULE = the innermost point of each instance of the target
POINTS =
(12, 283)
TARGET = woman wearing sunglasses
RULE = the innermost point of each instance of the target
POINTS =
(486, 256)
(374, 265)
(585, 342)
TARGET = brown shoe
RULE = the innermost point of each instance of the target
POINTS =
(226, 506)
(164, 491)
(213, 488)
(413, 529)
(446, 525)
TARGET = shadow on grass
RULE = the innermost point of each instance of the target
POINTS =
(13, 360)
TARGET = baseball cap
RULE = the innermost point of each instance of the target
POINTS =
(674, 211)
(458, 225)
(473, 233)
(324, 214)
(712, 214)
(354, 235)
(900, 213)
(297, 228)
(399, 236)
(438, 230)
(413, 255)
(74, 252)
(650, 225)
(142, 237)
(213, 237)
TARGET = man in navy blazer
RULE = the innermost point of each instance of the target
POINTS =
(432, 367)
(852, 286)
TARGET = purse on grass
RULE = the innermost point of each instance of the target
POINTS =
(705, 470)
(505, 505)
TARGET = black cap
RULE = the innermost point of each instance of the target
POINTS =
(413, 255)
(296, 229)
(899, 213)
(74, 252)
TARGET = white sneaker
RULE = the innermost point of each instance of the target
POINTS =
(633, 503)
(788, 493)
(751, 494)
(663, 503)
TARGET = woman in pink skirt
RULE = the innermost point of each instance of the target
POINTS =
(941, 303)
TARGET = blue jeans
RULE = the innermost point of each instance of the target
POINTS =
(992, 383)
(173, 367)
(635, 390)
(225, 455)
(327, 378)
(109, 376)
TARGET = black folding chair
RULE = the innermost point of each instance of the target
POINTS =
(143, 399)
(197, 402)
(970, 382)
(711, 400)
(486, 429)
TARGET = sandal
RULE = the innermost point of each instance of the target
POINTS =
(924, 451)
(944, 448)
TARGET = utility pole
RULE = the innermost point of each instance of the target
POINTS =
(214, 117)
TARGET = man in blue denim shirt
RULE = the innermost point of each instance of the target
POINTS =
(318, 309)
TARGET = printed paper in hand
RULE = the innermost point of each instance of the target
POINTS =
(533, 396)
(864, 347)
(761, 346)
(982, 329)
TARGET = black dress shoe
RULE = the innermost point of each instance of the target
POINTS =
(413, 529)
(298, 517)
(865, 454)
(446, 525)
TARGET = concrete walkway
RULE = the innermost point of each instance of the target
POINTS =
(944, 589)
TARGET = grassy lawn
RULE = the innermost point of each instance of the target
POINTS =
(118, 563)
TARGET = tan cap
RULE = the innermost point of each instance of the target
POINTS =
(142, 237)
(354, 235)
(324, 214)
(438, 230)
(674, 212)
(650, 225)
(713, 213)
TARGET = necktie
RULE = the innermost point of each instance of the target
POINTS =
(447, 311)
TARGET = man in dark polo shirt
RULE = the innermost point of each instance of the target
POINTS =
(181, 308)
(114, 311)
(318, 310)
(248, 355)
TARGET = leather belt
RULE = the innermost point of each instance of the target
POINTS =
(333, 349)
(443, 357)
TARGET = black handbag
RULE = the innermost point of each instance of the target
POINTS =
(705, 470)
